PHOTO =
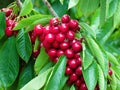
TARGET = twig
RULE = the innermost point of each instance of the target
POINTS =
(50, 8)
(19, 3)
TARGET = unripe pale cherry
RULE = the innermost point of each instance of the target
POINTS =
(38, 29)
(65, 18)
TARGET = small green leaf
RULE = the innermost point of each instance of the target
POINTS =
(30, 20)
(26, 7)
(101, 79)
(26, 75)
(91, 76)
(116, 71)
(37, 43)
(24, 46)
(9, 63)
(38, 82)
(2, 24)
(61, 1)
(41, 60)
(72, 3)
(56, 76)
(72, 87)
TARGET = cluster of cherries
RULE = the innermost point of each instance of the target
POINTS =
(58, 38)
(10, 22)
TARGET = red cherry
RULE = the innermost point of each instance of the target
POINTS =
(110, 72)
(55, 30)
(47, 30)
(46, 45)
(65, 18)
(73, 24)
(35, 53)
(55, 44)
(77, 55)
(8, 31)
(42, 37)
(55, 60)
(79, 61)
(78, 83)
(68, 71)
(7, 11)
(73, 77)
(54, 22)
(78, 71)
(33, 37)
(60, 52)
(38, 29)
(60, 37)
(50, 38)
(52, 53)
(64, 45)
(64, 28)
(77, 47)
(83, 87)
(70, 35)
(9, 23)
(72, 64)
(69, 53)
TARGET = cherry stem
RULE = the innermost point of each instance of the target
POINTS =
(50, 8)
(19, 3)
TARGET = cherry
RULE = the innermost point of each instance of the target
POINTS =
(72, 64)
(46, 30)
(83, 87)
(8, 31)
(55, 30)
(69, 53)
(65, 18)
(70, 35)
(60, 52)
(55, 44)
(64, 45)
(110, 72)
(79, 61)
(55, 60)
(77, 55)
(33, 37)
(50, 38)
(7, 11)
(78, 71)
(64, 28)
(9, 22)
(46, 45)
(68, 71)
(38, 29)
(60, 37)
(54, 22)
(77, 47)
(35, 53)
(52, 53)
(78, 83)
(73, 77)
(42, 37)
(73, 24)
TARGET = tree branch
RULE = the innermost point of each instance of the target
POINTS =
(19, 3)
(50, 8)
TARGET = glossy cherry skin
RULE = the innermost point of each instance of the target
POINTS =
(69, 53)
(77, 47)
(60, 53)
(68, 71)
(55, 30)
(110, 72)
(60, 37)
(64, 45)
(64, 27)
(83, 87)
(54, 22)
(70, 35)
(73, 24)
(50, 38)
(35, 53)
(52, 53)
(56, 44)
(78, 71)
(73, 77)
(65, 18)
(8, 31)
(78, 83)
(72, 64)
(38, 29)
(79, 61)
(47, 30)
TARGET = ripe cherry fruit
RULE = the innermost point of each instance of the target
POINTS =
(68, 71)
(8, 31)
(73, 77)
(73, 24)
(52, 53)
(54, 22)
(72, 63)
(77, 47)
(50, 38)
(64, 27)
(64, 45)
(69, 53)
(65, 18)
(38, 29)
(60, 37)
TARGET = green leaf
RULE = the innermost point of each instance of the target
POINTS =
(113, 82)
(30, 20)
(117, 15)
(116, 71)
(24, 46)
(87, 57)
(26, 8)
(88, 29)
(88, 6)
(26, 75)
(9, 63)
(72, 87)
(38, 82)
(101, 79)
(61, 1)
(72, 3)
(41, 60)
(56, 76)
(63, 81)
(91, 76)
(112, 58)
(2, 24)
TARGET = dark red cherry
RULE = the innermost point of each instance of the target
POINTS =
(65, 18)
